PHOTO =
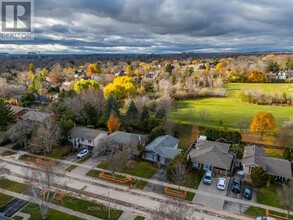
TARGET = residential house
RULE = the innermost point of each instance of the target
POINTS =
(85, 138)
(254, 156)
(162, 150)
(212, 155)
(18, 111)
(127, 139)
(34, 116)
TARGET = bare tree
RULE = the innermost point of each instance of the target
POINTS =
(285, 195)
(203, 113)
(242, 124)
(46, 137)
(285, 135)
(21, 131)
(43, 182)
(173, 209)
(179, 173)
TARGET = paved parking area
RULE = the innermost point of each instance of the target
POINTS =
(236, 207)
(208, 200)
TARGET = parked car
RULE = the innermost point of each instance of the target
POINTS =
(247, 192)
(207, 179)
(82, 154)
(221, 183)
(236, 184)
(265, 218)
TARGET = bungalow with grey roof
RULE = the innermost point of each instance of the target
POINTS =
(85, 138)
(127, 139)
(211, 155)
(254, 156)
(162, 150)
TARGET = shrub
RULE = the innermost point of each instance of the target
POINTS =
(156, 132)
(259, 177)
(214, 134)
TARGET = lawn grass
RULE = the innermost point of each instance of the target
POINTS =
(229, 109)
(34, 211)
(256, 211)
(58, 152)
(8, 153)
(268, 196)
(12, 185)
(140, 168)
(272, 152)
(4, 199)
(17, 217)
(90, 208)
(193, 180)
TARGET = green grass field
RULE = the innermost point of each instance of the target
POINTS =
(229, 109)
(4, 199)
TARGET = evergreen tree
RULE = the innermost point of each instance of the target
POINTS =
(145, 113)
(7, 116)
(287, 153)
(161, 113)
(112, 105)
(132, 110)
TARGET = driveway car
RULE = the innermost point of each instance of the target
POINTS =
(82, 154)
(236, 185)
(247, 192)
(222, 182)
(207, 179)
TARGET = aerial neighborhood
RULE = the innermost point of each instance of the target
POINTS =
(147, 132)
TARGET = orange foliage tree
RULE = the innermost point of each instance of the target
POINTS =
(262, 123)
(113, 123)
(194, 133)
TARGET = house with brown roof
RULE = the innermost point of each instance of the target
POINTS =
(254, 156)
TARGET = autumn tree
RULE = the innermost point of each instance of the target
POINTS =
(262, 123)
(7, 116)
(46, 137)
(56, 75)
(121, 88)
(285, 135)
(129, 70)
(256, 76)
(113, 123)
(272, 67)
(194, 133)
(85, 84)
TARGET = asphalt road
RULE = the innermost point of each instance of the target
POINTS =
(13, 206)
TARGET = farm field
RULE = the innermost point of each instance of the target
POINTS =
(226, 111)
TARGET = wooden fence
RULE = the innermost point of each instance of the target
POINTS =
(175, 193)
(275, 216)
(124, 180)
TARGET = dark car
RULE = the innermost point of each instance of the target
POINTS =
(247, 192)
(236, 185)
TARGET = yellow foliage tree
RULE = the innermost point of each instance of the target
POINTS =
(129, 70)
(121, 88)
(262, 123)
(113, 123)
(147, 68)
(256, 76)
(194, 62)
(138, 72)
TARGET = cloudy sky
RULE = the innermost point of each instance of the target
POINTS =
(158, 26)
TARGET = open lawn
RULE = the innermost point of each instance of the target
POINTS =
(90, 208)
(270, 152)
(268, 196)
(12, 185)
(138, 168)
(34, 211)
(256, 211)
(4, 199)
(229, 109)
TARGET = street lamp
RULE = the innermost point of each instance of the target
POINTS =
(109, 208)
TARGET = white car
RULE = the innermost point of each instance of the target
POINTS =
(82, 154)
(221, 183)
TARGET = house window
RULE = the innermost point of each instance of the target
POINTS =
(89, 141)
(69, 137)
(82, 139)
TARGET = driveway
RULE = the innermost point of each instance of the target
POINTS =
(236, 207)
(208, 200)
(160, 175)
(91, 162)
